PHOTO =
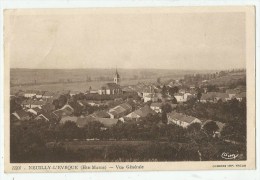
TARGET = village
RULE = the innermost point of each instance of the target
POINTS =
(173, 113)
(113, 103)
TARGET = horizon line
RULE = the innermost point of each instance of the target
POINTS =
(224, 69)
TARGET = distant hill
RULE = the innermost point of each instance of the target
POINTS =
(43, 76)
(231, 78)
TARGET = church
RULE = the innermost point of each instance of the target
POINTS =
(112, 88)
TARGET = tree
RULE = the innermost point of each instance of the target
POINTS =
(199, 93)
(93, 129)
(60, 102)
(164, 91)
(235, 130)
(164, 117)
(211, 127)
(173, 90)
(70, 130)
(167, 108)
(14, 106)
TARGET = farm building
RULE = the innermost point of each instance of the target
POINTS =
(142, 112)
(181, 119)
(120, 110)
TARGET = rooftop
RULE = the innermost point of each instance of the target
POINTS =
(181, 117)
(144, 111)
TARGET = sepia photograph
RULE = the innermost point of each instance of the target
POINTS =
(129, 89)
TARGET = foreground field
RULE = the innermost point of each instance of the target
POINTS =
(134, 151)
(75, 145)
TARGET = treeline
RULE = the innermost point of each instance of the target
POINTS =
(167, 142)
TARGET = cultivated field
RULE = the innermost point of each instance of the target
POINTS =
(82, 79)
(74, 86)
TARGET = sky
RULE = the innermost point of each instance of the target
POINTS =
(50, 39)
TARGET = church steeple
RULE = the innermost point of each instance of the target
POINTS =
(116, 77)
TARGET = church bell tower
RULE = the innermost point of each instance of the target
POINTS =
(117, 78)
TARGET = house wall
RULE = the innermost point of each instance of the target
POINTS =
(101, 91)
(156, 109)
(29, 95)
(38, 96)
(179, 98)
(108, 91)
(47, 97)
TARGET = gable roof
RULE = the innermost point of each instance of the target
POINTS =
(45, 115)
(21, 113)
(144, 111)
(122, 108)
(126, 106)
(67, 107)
(117, 110)
(182, 117)
(66, 110)
(101, 114)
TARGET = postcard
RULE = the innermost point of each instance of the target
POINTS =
(129, 89)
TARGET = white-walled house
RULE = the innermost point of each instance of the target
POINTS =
(179, 97)
(157, 107)
(151, 97)
(30, 94)
(182, 119)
